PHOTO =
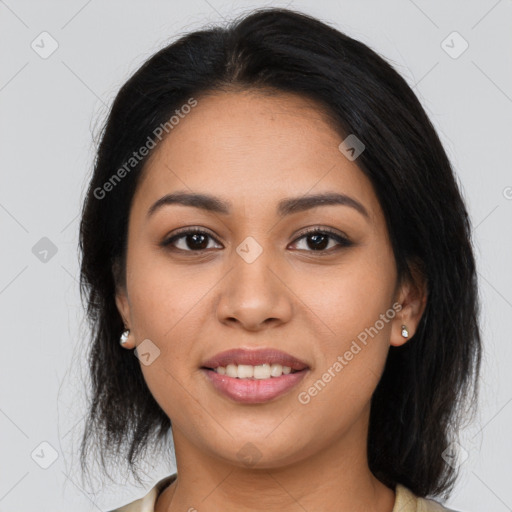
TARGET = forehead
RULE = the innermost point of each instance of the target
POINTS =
(248, 146)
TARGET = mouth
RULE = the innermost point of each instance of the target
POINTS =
(254, 376)
(259, 361)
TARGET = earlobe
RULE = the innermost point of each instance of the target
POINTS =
(123, 307)
(400, 332)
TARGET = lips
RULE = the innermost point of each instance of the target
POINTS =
(253, 391)
(254, 357)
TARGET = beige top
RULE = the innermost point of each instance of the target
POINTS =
(405, 500)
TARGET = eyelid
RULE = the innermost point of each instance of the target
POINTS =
(321, 229)
(188, 229)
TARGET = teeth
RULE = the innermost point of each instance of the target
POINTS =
(247, 371)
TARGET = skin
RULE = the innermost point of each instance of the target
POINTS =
(253, 150)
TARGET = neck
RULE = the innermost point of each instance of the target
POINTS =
(336, 477)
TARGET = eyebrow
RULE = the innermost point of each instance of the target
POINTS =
(285, 207)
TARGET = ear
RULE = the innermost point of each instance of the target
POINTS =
(121, 297)
(412, 296)
(123, 306)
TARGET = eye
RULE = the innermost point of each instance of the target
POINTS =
(319, 239)
(195, 240)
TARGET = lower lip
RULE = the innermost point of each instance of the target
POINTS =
(253, 391)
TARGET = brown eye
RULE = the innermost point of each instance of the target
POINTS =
(317, 240)
(194, 240)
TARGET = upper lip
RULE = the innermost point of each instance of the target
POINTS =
(254, 357)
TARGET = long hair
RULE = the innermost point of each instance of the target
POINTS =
(420, 401)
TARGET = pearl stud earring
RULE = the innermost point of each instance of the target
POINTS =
(124, 337)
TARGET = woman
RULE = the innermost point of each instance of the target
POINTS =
(274, 230)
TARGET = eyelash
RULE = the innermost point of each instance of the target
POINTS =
(343, 241)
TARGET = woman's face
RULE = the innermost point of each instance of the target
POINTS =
(251, 280)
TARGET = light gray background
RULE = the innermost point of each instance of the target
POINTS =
(51, 107)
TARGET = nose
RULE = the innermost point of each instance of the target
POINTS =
(254, 295)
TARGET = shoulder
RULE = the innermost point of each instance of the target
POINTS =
(147, 502)
(407, 501)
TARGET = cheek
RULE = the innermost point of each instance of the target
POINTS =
(350, 297)
(164, 297)
(355, 302)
